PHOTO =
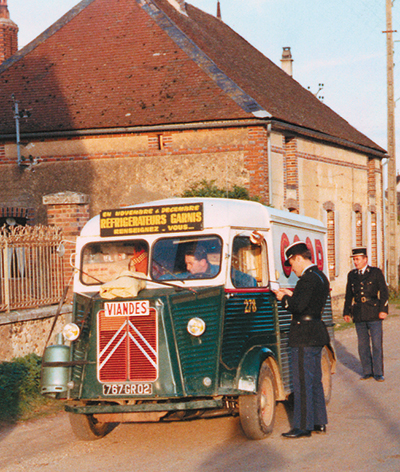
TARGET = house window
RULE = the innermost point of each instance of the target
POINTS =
(156, 142)
(332, 224)
(160, 142)
(374, 240)
(358, 220)
(330, 219)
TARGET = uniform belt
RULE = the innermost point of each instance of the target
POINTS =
(363, 300)
(306, 318)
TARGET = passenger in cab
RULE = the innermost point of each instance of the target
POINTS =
(139, 259)
(241, 280)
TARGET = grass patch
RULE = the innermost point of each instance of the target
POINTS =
(20, 397)
(341, 325)
(394, 298)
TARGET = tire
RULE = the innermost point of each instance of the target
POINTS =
(85, 427)
(326, 367)
(257, 412)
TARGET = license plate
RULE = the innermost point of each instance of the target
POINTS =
(128, 389)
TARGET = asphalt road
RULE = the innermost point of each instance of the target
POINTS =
(363, 433)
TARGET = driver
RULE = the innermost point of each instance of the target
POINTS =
(197, 263)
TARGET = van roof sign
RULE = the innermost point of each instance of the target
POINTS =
(151, 219)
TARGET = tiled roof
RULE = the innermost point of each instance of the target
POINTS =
(128, 63)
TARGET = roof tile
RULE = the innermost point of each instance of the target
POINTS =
(123, 63)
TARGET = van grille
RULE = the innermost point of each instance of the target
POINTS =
(127, 348)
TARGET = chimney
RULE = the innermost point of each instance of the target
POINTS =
(178, 5)
(219, 11)
(8, 33)
(287, 61)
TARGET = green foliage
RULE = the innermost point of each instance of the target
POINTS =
(19, 386)
(394, 297)
(207, 188)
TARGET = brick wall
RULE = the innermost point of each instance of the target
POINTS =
(371, 178)
(68, 211)
(256, 162)
(329, 207)
(291, 174)
(8, 36)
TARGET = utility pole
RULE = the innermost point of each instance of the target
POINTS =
(391, 234)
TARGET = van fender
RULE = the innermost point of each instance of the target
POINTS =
(249, 369)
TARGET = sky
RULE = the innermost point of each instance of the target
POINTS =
(337, 43)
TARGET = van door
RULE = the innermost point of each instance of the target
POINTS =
(250, 310)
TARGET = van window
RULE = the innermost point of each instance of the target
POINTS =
(249, 263)
(104, 261)
(186, 258)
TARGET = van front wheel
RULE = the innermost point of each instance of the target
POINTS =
(257, 412)
(85, 427)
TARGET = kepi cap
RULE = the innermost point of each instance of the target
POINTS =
(359, 251)
(293, 250)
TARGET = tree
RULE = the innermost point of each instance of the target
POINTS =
(206, 188)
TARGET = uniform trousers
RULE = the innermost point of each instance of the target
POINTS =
(309, 399)
(370, 332)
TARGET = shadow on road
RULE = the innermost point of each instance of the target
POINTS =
(347, 359)
(6, 429)
(238, 453)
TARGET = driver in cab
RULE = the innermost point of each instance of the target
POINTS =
(197, 264)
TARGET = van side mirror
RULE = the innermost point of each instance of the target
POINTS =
(256, 238)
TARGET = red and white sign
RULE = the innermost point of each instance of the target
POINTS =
(317, 257)
(131, 308)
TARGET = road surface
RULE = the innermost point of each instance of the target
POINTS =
(363, 433)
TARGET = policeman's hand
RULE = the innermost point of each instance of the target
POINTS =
(282, 292)
(279, 294)
(347, 319)
(382, 315)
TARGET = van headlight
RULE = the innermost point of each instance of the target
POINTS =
(71, 332)
(196, 326)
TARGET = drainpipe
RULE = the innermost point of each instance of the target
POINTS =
(16, 117)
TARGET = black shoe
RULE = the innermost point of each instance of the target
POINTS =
(297, 433)
(379, 378)
(366, 377)
(319, 428)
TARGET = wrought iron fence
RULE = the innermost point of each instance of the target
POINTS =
(31, 270)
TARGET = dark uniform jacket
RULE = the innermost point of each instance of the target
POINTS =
(306, 305)
(366, 295)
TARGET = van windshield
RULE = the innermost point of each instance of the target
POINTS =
(186, 258)
(103, 262)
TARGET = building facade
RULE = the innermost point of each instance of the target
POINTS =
(171, 96)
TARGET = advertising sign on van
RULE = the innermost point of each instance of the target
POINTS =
(148, 220)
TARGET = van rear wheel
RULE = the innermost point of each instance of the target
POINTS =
(257, 412)
(85, 427)
(326, 367)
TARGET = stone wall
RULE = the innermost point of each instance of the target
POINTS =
(27, 331)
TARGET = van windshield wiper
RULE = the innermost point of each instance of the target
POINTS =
(162, 282)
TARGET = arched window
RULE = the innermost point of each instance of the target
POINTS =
(373, 239)
(358, 239)
(331, 221)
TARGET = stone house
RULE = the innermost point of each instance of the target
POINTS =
(128, 101)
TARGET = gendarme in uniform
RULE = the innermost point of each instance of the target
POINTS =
(366, 302)
(307, 336)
